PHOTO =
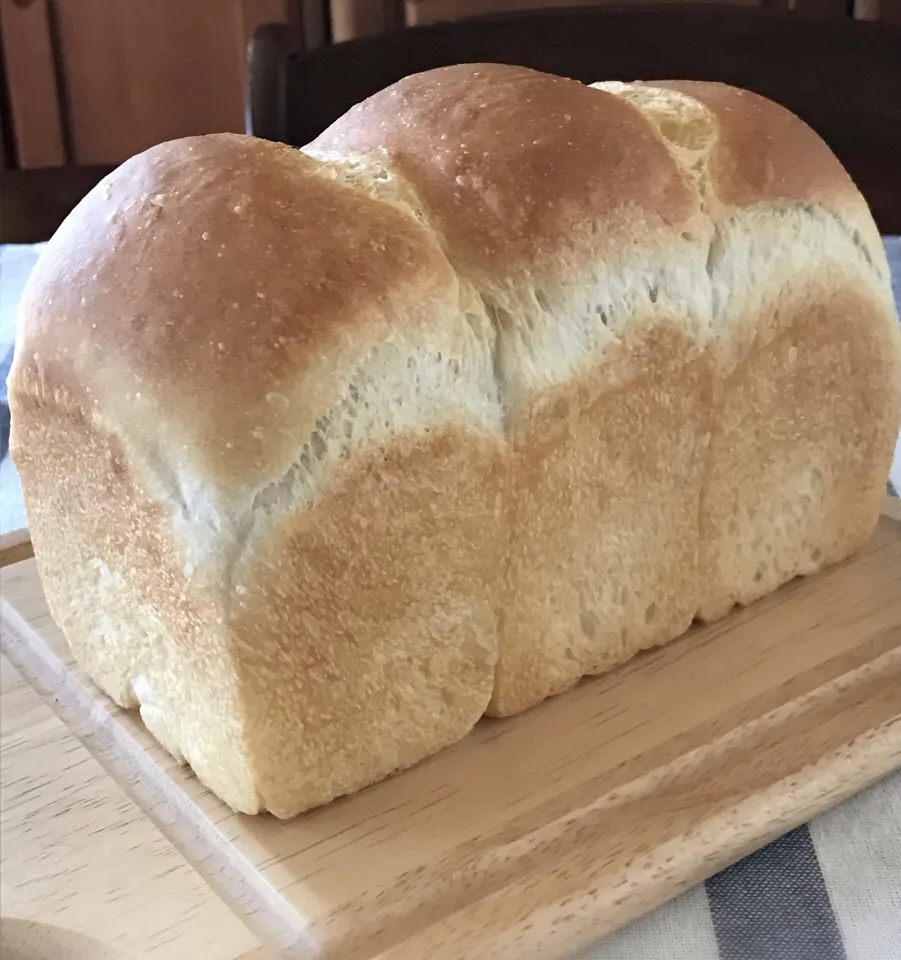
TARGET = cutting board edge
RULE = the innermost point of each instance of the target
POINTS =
(763, 814)
(651, 896)
(178, 817)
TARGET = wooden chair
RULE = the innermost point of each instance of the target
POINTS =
(841, 76)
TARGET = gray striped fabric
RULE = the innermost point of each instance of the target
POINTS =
(829, 890)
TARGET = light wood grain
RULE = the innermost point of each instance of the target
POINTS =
(76, 853)
(30, 940)
(15, 547)
(32, 84)
(539, 834)
(138, 73)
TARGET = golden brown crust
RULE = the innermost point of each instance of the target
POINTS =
(604, 500)
(803, 436)
(456, 136)
(518, 167)
(113, 572)
(565, 208)
(201, 519)
(216, 267)
(764, 153)
(364, 632)
(356, 639)
(794, 254)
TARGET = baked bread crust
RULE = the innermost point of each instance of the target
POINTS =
(681, 439)
(260, 445)
(501, 380)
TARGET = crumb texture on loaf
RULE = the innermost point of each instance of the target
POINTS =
(682, 277)
(499, 381)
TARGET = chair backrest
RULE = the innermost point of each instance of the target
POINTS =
(843, 77)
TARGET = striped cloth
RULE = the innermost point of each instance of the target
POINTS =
(829, 890)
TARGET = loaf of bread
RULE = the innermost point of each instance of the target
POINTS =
(503, 379)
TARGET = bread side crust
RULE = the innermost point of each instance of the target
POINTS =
(806, 342)
(115, 578)
(364, 632)
(605, 497)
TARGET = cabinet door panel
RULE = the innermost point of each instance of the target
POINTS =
(136, 73)
(36, 130)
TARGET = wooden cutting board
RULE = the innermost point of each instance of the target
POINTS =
(539, 834)
(27, 940)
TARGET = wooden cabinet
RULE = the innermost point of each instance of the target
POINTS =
(94, 81)
(90, 82)
(135, 74)
(35, 135)
(84, 84)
